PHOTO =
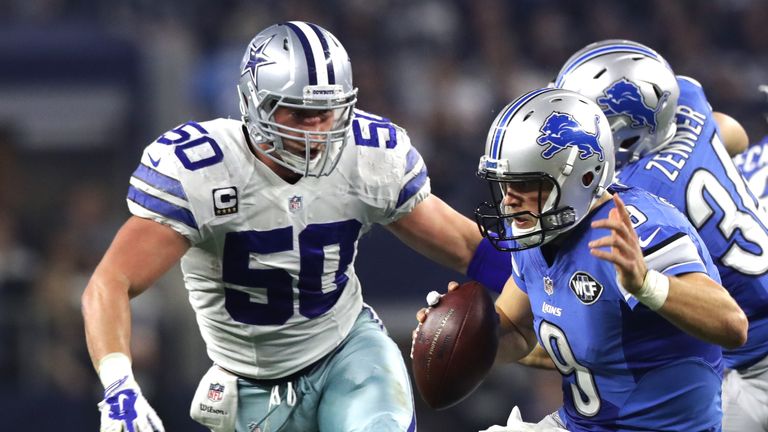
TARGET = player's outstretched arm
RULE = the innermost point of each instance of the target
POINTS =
(735, 138)
(693, 302)
(437, 231)
(140, 253)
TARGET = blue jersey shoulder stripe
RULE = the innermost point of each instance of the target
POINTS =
(413, 186)
(411, 159)
(160, 181)
(161, 207)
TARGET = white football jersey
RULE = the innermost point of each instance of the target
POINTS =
(270, 273)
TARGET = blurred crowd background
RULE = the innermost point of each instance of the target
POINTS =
(86, 84)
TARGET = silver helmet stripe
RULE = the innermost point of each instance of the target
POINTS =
(313, 52)
(603, 50)
(326, 52)
(501, 127)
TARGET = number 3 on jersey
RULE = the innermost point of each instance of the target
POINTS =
(313, 302)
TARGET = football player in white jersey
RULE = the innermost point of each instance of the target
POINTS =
(265, 215)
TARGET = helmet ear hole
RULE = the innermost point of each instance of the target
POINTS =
(588, 178)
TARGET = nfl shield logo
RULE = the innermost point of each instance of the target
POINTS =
(549, 287)
(215, 392)
(294, 204)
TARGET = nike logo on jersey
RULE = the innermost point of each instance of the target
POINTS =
(646, 241)
(153, 161)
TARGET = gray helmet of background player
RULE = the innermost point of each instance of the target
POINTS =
(635, 87)
(297, 65)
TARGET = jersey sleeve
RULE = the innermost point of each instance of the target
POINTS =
(414, 185)
(393, 177)
(672, 250)
(156, 192)
(517, 275)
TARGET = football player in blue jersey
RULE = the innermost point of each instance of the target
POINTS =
(613, 282)
(753, 163)
(265, 215)
(670, 143)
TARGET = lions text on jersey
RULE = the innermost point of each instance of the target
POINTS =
(695, 174)
(270, 272)
(624, 366)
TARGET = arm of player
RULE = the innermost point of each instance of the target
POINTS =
(437, 231)
(516, 335)
(735, 138)
(693, 302)
(140, 253)
(538, 358)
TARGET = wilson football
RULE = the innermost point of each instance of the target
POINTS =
(455, 346)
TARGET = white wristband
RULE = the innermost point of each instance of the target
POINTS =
(114, 366)
(654, 291)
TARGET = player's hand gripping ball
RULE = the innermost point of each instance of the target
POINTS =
(454, 348)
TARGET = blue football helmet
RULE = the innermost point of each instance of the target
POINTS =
(557, 139)
(298, 65)
(636, 89)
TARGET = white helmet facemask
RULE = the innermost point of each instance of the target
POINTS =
(636, 89)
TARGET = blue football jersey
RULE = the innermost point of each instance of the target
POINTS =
(753, 164)
(696, 175)
(624, 366)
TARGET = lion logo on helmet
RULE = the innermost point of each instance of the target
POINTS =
(624, 97)
(561, 130)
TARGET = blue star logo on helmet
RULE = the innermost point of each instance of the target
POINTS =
(256, 57)
(624, 97)
(561, 130)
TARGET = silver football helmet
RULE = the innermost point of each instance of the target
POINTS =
(297, 65)
(556, 139)
(634, 86)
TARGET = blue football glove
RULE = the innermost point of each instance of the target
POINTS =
(124, 408)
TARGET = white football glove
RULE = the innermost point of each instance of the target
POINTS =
(515, 423)
(124, 408)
